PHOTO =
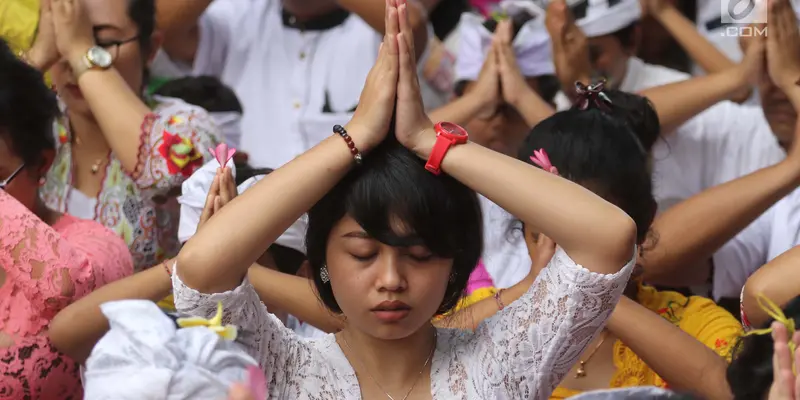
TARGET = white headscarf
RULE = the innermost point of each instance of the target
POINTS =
(531, 44)
(230, 125)
(193, 198)
(602, 19)
(640, 393)
(144, 356)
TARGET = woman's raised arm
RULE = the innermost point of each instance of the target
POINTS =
(218, 256)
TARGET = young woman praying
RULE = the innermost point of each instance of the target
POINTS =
(392, 243)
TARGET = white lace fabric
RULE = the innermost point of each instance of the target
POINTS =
(522, 352)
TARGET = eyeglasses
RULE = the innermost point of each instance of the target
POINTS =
(112, 46)
(11, 177)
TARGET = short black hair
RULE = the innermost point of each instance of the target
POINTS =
(445, 16)
(627, 35)
(28, 108)
(207, 92)
(750, 373)
(597, 149)
(441, 213)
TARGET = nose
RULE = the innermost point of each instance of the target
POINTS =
(391, 277)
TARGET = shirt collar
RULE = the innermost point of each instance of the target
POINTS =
(634, 73)
(320, 23)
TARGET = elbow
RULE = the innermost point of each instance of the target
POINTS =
(188, 259)
(622, 240)
(754, 287)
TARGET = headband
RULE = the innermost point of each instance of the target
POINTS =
(603, 17)
(531, 44)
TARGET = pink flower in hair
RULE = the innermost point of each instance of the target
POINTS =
(541, 159)
(222, 153)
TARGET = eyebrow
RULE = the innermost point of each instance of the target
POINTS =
(357, 235)
(98, 28)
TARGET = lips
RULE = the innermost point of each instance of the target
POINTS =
(391, 311)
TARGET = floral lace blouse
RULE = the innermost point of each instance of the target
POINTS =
(520, 353)
(140, 206)
(44, 269)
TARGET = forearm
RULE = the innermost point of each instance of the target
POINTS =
(698, 47)
(179, 16)
(683, 362)
(678, 102)
(593, 232)
(469, 318)
(697, 227)
(294, 295)
(771, 282)
(372, 12)
(77, 328)
(220, 253)
(459, 111)
(119, 113)
(533, 108)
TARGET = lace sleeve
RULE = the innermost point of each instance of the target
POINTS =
(174, 143)
(108, 254)
(534, 342)
(43, 266)
(276, 348)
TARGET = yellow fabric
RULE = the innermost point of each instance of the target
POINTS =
(167, 303)
(18, 22)
(775, 312)
(466, 301)
(699, 317)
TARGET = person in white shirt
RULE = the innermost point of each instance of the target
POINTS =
(297, 66)
(723, 143)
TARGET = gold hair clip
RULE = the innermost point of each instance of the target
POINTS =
(775, 312)
(227, 332)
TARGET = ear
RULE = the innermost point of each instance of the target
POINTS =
(47, 161)
(156, 40)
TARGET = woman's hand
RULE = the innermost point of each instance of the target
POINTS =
(43, 54)
(783, 42)
(752, 65)
(654, 8)
(514, 86)
(223, 190)
(785, 386)
(412, 125)
(570, 46)
(373, 115)
(487, 87)
(73, 30)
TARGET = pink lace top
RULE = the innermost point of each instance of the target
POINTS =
(140, 205)
(522, 352)
(43, 270)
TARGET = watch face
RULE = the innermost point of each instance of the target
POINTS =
(452, 129)
(99, 57)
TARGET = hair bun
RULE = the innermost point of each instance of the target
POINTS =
(589, 96)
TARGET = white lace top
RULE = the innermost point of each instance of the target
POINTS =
(522, 352)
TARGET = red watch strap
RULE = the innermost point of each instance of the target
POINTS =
(437, 154)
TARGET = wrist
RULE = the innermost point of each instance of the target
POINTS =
(360, 137)
(424, 145)
(76, 56)
(35, 59)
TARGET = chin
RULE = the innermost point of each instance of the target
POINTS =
(392, 331)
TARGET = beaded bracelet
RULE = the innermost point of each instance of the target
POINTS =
(347, 139)
(500, 305)
(166, 268)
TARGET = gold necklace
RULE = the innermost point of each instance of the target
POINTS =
(581, 372)
(419, 375)
(96, 165)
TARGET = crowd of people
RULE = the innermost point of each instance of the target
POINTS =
(398, 199)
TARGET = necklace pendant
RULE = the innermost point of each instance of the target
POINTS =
(95, 168)
(581, 372)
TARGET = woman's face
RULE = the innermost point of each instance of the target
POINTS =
(111, 24)
(386, 292)
(503, 131)
(24, 187)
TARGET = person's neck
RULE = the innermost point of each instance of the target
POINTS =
(406, 356)
(48, 216)
(304, 13)
(86, 131)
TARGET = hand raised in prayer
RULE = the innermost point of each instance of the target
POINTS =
(487, 87)
(512, 81)
(412, 125)
(783, 45)
(654, 8)
(222, 191)
(372, 117)
(240, 392)
(785, 385)
(751, 67)
(570, 46)
(44, 52)
(73, 30)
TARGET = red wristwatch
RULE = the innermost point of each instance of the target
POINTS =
(448, 135)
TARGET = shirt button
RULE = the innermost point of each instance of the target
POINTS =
(296, 104)
(302, 55)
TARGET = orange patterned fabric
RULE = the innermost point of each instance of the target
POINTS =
(698, 316)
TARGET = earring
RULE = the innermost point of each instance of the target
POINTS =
(323, 274)
(42, 181)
